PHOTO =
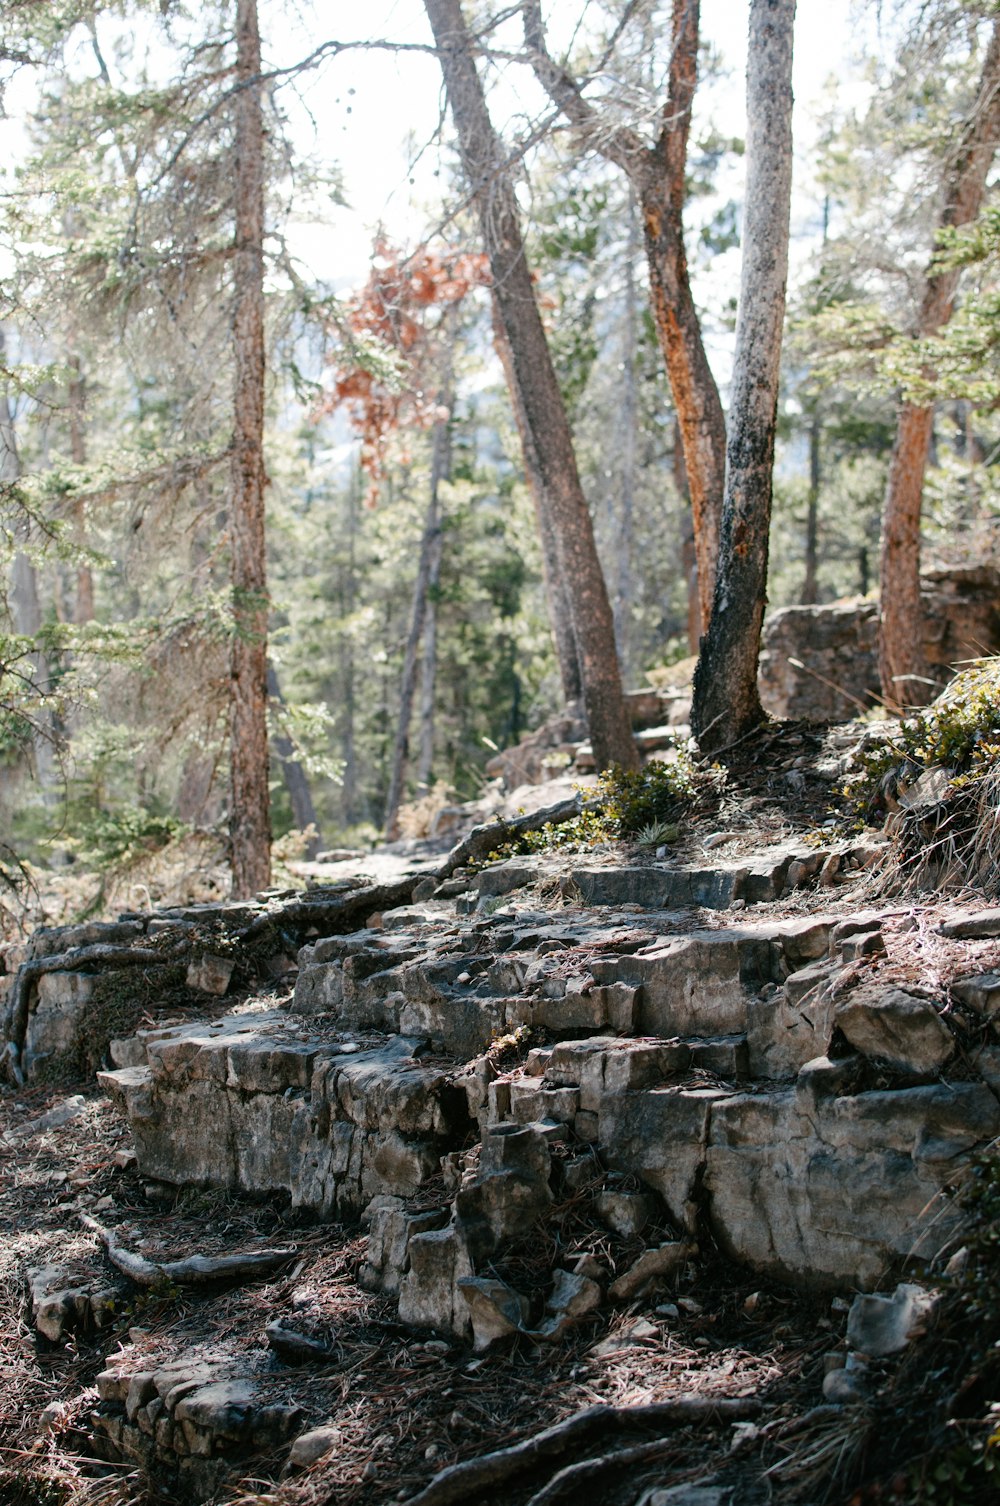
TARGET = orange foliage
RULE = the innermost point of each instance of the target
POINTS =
(395, 307)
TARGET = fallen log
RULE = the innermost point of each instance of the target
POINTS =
(484, 839)
(196, 1270)
(461, 1481)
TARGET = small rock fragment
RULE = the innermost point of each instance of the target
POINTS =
(878, 1325)
(310, 1447)
(843, 1387)
(210, 974)
(651, 1265)
(296, 1348)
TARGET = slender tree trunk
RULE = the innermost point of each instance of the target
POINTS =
(294, 775)
(689, 556)
(349, 780)
(902, 667)
(428, 671)
(726, 703)
(26, 610)
(428, 667)
(556, 595)
(249, 814)
(76, 399)
(809, 594)
(658, 175)
(429, 545)
(623, 514)
(489, 179)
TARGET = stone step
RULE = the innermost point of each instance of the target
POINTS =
(254, 1106)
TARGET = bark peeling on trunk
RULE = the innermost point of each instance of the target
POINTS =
(487, 173)
(726, 704)
(249, 814)
(902, 667)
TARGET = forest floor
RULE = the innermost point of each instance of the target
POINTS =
(407, 1404)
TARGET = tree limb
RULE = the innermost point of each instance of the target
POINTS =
(196, 1270)
(459, 1482)
(619, 144)
(575, 1474)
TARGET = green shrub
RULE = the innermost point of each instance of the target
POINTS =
(643, 805)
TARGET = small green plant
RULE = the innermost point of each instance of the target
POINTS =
(656, 833)
(644, 805)
(959, 733)
(659, 793)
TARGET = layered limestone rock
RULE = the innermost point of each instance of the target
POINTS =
(255, 1104)
(744, 1075)
(188, 1417)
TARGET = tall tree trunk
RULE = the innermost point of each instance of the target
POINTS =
(349, 779)
(428, 665)
(657, 174)
(556, 595)
(488, 176)
(294, 775)
(623, 508)
(902, 668)
(249, 813)
(809, 593)
(429, 545)
(25, 606)
(689, 556)
(726, 703)
(428, 671)
(76, 400)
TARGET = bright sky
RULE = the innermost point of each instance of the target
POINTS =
(374, 112)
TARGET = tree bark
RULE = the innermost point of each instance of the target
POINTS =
(556, 595)
(726, 704)
(657, 174)
(622, 507)
(902, 667)
(249, 814)
(489, 179)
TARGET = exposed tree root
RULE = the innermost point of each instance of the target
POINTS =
(577, 1474)
(28, 974)
(196, 1270)
(341, 913)
(461, 1481)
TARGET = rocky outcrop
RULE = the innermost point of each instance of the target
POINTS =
(820, 663)
(543, 1089)
(188, 1418)
(745, 1076)
(258, 1103)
